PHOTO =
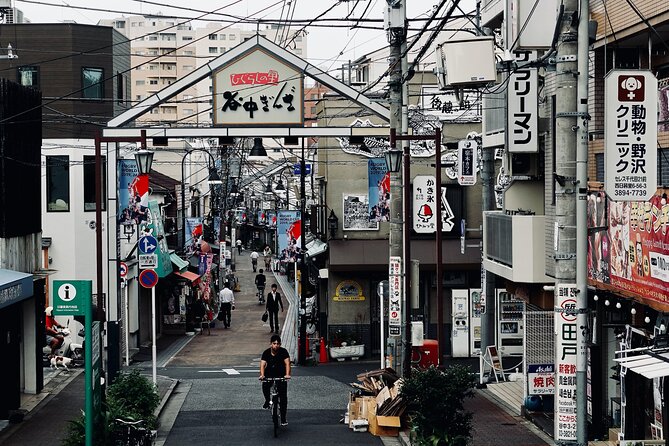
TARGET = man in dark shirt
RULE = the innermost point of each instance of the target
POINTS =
(275, 363)
(260, 284)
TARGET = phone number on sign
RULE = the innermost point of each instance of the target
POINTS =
(630, 192)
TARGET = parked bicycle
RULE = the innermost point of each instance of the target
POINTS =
(132, 433)
(274, 402)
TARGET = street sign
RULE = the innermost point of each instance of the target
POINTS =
(148, 261)
(147, 244)
(148, 278)
(122, 269)
(296, 169)
(70, 296)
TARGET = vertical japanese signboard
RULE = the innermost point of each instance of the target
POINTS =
(522, 102)
(467, 162)
(630, 127)
(258, 89)
(395, 298)
(426, 207)
(566, 351)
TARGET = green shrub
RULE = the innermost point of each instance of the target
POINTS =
(436, 405)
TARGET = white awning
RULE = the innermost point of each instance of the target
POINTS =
(647, 365)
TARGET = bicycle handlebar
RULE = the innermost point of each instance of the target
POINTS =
(274, 379)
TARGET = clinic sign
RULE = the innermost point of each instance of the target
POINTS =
(258, 89)
(630, 127)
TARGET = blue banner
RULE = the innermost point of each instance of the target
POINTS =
(193, 232)
(133, 193)
(289, 234)
(379, 190)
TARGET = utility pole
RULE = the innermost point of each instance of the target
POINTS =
(570, 191)
(302, 353)
(396, 31)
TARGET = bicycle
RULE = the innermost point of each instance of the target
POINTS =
(274, 401)
(132, 433)
(261, 294)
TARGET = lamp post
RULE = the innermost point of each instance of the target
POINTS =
(213, 179)
(333, 224)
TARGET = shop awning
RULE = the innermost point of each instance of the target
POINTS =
(15, 286)
(191, 277)
(649, 365)
(177, 261)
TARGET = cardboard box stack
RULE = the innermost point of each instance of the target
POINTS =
(376, 404)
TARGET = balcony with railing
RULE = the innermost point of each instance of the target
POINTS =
(514, 246)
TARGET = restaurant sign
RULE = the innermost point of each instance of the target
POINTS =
(348, 290)
(258, 89)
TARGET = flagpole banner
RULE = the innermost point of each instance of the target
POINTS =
(289, 234)
(356, 214)
(271, 219)
(379, 189)
(133, 193)
(193, 232)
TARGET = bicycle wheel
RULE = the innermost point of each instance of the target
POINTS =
(275, 415)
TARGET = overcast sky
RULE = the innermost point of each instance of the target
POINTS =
(328, 47)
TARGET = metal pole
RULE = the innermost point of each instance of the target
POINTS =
(100, 316)
(581, 220)
(126, 323)
(302, 354)
(183, 202)
(396, 36)
(153, 333)
(439, 262)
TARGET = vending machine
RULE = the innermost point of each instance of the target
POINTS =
(475, 322)
(460, 317)
(510, 330)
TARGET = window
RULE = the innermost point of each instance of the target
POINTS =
(153, 81)
(662, 167)
(222, 37)
(599, 167)
(57, 183)
(188, 53)
(188, 111)
(222, 49)
(120, 88)
(153, 37)
(29, 76)
(232, 37)
(187, 38)
(139, 82)
(89, 183)
(188, 67)
(119, 24)
(92, 82)
(212, 36)
(213, 50)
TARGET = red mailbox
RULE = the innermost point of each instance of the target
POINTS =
(425, 355)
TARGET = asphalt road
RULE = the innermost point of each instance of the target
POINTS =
(222, 406)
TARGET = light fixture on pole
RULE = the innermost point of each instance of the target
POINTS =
(144, 160)
(279, 185)
(333, 224)
(10, 53)
(258, 150)
(268, 187)
(214, 177)
(393, 160)
(234, 190)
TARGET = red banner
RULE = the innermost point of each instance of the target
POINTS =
(628, 245)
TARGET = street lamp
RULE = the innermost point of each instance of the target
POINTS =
(393, 160)
(258, 150)
(144, 160)
(333, 223)
(212, 179)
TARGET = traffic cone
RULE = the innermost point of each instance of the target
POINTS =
(323, 353)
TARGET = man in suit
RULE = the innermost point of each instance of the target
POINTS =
(272, 307)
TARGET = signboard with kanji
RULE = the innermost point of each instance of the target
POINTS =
(630, 128)
(566, 351)
(522, 106)
(467, 162)
(258, 89)
(395, 297)
(426, 206)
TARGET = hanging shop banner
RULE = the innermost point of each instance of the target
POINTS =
(540, 379)
(379, 189)
(271, 219)
(133, 193)
(522, 106)
(262, 217)
(289, 234)
(258, 89)
(566, 351)
(630, 128)
(356, 213)
(154, 227)
(630, 251)
(205, 261)
(425, 206)
(194, 230)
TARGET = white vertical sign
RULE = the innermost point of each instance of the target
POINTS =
(467, 151)
(426, 208)
(566, 352)
(630, 127)
(395, 296)
(522, 106)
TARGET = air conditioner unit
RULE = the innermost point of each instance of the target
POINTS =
(524, 164)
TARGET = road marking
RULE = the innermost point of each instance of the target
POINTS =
(231, 371)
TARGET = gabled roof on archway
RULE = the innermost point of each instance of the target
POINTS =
(251, 44)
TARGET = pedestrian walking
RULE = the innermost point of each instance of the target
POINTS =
(239, 246)
(272, 307)
(226, 299)
(254, 260)
(267, 253)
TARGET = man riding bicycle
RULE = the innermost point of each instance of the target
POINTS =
(260, 284)
(275, 363)
(254, 260)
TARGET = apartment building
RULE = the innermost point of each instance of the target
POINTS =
(165, 49)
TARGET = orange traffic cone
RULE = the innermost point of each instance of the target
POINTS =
(323, 353)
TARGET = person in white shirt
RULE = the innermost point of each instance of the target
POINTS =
(254, 260)
(227, 300)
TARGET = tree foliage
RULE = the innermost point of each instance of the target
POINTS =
(436, 405)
